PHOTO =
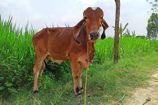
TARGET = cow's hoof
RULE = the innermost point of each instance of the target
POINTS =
(78, 94)
(35, 91)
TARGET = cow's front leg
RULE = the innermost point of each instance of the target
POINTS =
(75, 70)
(80, 78)
(76, 85)
(76, 82)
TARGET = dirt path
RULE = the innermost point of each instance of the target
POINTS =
(147, 95)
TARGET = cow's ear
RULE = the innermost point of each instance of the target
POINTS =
(80, 23)
(103, 36)
(77, 30)
(105, 26)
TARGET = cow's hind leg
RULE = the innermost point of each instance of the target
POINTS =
(42, 68)
(38, 66)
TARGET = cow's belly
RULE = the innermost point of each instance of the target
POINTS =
(57, 61)
(57, 57)
(54, 60)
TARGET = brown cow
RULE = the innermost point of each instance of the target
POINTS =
(75, 44)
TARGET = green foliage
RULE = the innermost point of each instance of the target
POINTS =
(107, 83)
(154, 4)
(16, 57)
(152, 28)
(129, 47)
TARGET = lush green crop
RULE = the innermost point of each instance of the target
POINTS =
(128, 47)
(16, 57)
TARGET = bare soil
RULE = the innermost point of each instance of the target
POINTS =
(146, 95)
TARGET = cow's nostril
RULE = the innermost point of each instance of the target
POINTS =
(91, 34)
(94, 35)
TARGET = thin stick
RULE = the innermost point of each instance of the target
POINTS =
(85, 93)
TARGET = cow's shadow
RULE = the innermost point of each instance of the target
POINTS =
(57, 70)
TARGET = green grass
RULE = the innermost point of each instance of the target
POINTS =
(107, 82)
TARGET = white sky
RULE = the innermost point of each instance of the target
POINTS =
(42, 13)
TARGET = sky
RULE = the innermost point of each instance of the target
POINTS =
(46, 13)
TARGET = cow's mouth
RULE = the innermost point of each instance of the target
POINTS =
(94, 38)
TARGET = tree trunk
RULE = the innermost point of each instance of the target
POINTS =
(116, 39)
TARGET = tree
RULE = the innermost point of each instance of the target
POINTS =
(152, 27)
(154, 4)
(116, 39)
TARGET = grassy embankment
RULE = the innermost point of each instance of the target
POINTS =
(107, 82)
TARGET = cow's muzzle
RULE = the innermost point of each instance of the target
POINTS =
(94, 35)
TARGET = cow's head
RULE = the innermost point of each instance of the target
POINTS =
(93, 20)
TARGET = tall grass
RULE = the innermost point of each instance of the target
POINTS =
(17, 58)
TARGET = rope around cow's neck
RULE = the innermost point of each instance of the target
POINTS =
(85, 91)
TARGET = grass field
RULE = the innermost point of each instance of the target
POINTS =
(107, 82)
